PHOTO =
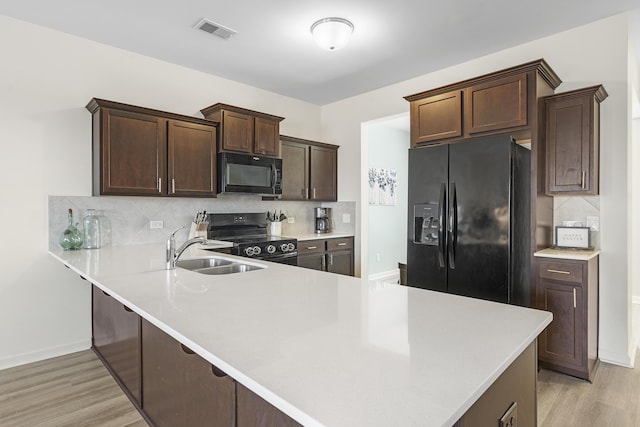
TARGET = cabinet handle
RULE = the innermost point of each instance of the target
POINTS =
(127, 308)
(330, 259)
(312, 247)
(574, 297)
(106, 294)
(159, 185)
(584, 180)
(558, 271)
(314, 192)
(218, 372)
(187, 349)
(306, 193)
(323, 263)
(173, 186)
(342, 244)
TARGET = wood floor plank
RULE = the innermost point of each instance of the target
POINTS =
(71, 390)
(77, 390)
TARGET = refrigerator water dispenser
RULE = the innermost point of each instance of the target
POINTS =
(426, 223)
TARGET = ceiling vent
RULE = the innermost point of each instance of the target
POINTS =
(215, 29)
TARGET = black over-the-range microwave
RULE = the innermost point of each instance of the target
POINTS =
(247, 173)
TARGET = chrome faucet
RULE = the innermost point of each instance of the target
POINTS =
(173, 254)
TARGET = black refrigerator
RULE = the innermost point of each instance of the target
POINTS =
(469, 219)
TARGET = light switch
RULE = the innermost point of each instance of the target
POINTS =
(593, 222)
(157, 224)
(346, 218)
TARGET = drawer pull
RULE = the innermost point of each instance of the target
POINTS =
(574, 297)
(187, 349)
(342, 244)
(558, 271)
(127, 309)
(312, 247)
(218, 372)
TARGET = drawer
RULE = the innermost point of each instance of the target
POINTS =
(311, 246)
(561, 270)
(339, 244)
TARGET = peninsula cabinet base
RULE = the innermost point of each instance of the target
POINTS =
(511, 399)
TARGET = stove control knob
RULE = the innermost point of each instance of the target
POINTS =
(256, 250)
(291, 247)
(283, 247)
(248, 251)
(271, 249)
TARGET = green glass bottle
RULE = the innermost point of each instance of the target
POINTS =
(71, 237)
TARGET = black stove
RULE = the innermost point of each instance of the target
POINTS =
(248, 233)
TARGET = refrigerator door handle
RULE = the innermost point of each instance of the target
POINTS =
(453, 227)
(441, 224)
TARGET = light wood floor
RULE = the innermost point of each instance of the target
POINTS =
(71, 390)
(76, 390)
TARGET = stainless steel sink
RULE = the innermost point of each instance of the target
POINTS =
(216, 266)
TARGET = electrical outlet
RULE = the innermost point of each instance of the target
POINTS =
(157, 224)
(346, 218)
(593, 222)
(291, 220)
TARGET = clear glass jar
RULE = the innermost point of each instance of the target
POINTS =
(71, 238)
(91, 229)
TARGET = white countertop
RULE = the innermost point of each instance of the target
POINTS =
(326, 349)
(314, 236)
(575, 254)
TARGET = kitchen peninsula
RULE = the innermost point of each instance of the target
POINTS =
(328, 349)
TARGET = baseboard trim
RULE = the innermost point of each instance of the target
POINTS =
(386, 275)
(47, 353)
(616, 359)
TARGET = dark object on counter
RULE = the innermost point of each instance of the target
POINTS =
(323, 219)
(469, 216)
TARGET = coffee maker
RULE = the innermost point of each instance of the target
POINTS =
(323, 219)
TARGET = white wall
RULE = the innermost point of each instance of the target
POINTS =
(588, 55)
(46, 79)
(387, 232)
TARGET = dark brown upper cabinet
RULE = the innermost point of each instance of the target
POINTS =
(309, 170)
(145, 152)
(573, 141)
(246, 131)
(500, 102)
(436, 117)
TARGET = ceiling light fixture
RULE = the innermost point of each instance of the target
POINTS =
(332, 33)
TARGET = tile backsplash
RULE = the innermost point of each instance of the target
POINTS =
(577, 208)
(129, 217)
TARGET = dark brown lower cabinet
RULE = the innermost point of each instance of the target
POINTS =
(334, 255)
(254, 411)
(569, 289)
(116, 340)
(511, 399)
(180, 387)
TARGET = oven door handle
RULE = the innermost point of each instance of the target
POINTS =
(274, 175)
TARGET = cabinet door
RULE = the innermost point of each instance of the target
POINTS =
(323, 180)
(570, 146)
(254, 411)
(340, 262)
(436, 117)
(498, 104)
(191, 159)
(295, 166)
(116, 337)
(266, 137)
(237, 131)
(312, 261)
(561, 342)
(133, 154)
(180, 388)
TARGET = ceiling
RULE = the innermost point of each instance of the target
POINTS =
(273, 50)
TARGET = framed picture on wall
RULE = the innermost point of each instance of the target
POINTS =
(383, 186)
